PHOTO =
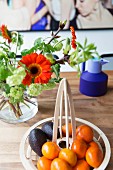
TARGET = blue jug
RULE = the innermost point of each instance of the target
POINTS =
(93, 81)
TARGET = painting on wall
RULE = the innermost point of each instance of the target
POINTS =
(33, 15)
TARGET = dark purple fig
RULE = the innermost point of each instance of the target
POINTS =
(36, 139)
(48, 129)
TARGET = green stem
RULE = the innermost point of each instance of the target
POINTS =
(15, 32)
(17, 35)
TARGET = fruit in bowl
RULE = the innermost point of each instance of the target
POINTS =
(79, 146)
(64, 152)
(81, 165)
(84, 132)
(50, 150)
(82, 154)
(69, 156)
(31, 161)
(36, 139)
(94, 156)
(44, 163)
(47, 127)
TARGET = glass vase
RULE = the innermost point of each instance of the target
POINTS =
(20, 112)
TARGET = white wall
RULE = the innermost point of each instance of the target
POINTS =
(103, 39)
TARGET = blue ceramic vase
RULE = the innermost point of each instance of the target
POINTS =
(93, 81)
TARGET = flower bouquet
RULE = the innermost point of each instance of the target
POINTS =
(33, 73)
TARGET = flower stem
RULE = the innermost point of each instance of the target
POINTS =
(52, 38)
(54, 35)
(26, 99)
(14, 109)
(19, 110)
(2, 103)
(63, 60)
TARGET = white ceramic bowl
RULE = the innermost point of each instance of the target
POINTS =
(28, 157)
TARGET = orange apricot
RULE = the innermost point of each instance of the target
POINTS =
(50, 150)
(94, 156)
(94, 144)
(64, 129)
(44, 163)
(69, 156)
(81, 165)
(60, 164)
(84, 132)
(79, 147)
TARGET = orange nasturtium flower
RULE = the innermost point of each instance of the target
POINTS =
(39, 69)
(5, 33)
(73, 42)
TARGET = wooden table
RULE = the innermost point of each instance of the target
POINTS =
(98, 110)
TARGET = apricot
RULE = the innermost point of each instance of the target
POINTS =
(60, 164)
(79, 147)
(50, 150)
(69, 156)
(94, 144)
(81, 165)
(44, 163)
(84, 132)
(94, 156)
(64, 129)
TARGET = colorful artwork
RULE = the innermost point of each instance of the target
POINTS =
(36, 15)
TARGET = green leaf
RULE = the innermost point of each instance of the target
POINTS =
(55, 41)
(56, 70)
(85, 42)
(49, 85)
(79, 45)
(7, 88)
(67, 47)
(17, 39)
(44, 48)
(91, 47)
(56, 80)
(11, 55)
(50, 57)
(38, 41)
(2, 55)
(25, 52)
(58, 46)
(20, 41)
(48, 48)
(4, 73)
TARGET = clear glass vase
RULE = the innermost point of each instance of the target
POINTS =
(11, 114)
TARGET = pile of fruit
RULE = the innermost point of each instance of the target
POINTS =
(83, 154)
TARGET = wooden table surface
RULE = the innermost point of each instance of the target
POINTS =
(98, 110)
